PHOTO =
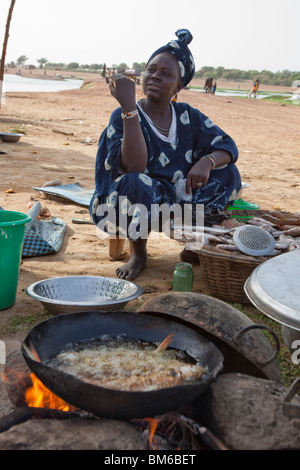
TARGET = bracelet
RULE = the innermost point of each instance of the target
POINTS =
(130, 115)
(212, 159)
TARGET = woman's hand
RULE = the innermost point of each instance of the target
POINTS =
(198, 175)
(123, 90)
(200, 172)
(134, 152)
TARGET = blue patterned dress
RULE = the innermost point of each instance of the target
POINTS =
(168, 162)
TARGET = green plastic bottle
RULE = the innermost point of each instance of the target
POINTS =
(183, 278)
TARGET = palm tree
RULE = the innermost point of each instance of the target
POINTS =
(10, 11)
(43, 61)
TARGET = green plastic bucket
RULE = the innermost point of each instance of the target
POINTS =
(12, 229)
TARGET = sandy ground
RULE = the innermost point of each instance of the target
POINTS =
(57, 124)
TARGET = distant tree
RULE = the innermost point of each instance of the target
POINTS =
(96, 67)
(253, 74)
(295, 76)
(205, 71)
(286, 77)
(122, 67)
(265, 76)
(218, 72)
(246, 75)
(6, 35)
(21, 60)
(54, 65)
(42, 62)
(73, 65)
(139, 66)
(232, 74)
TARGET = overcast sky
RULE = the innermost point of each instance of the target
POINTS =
(230, 33)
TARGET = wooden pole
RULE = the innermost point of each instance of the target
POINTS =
(10, 11)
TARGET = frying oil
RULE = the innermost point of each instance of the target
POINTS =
(126, 364)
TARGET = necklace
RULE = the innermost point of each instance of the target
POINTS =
(160, 129)
(164, 131)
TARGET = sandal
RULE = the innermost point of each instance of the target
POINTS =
(240, 204)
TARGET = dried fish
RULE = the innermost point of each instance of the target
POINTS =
(227, 241)
(294, 246)
(283, 227)
(269, 228)
(286, 237)
(260, 221)
(289, 221)
(230, 223)
(293, 232)
(211, 237)
(277, 234)
(283, 245)
(270, 218)
(228, 247)
(277, 214)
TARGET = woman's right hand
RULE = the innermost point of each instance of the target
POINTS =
(198, 175)
(123, 90)
(134, 152)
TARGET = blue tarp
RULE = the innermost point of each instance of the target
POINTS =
(74, 192)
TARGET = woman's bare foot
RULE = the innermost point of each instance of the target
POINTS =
(137, 262)
(132, 268)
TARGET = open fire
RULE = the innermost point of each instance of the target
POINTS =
(39, 396)
(171, 431)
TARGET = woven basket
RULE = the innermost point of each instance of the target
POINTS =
(224, 273)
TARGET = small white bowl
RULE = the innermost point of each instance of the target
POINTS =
(10, 136)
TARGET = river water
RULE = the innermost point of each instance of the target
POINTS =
(22, 84)
(234, 93)
(17, 83)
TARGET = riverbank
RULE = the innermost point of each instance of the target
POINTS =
(54, 74)
(96, 77)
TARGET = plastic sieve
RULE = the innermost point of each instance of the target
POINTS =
(254, 241)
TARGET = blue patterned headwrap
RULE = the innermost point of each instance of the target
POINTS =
(179, 48)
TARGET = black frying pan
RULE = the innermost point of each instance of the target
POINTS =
(50, 336)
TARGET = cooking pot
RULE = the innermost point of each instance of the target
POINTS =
(49, 337)
(244, 347)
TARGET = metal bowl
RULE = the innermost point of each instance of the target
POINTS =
(10, 136)
(77, 293)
